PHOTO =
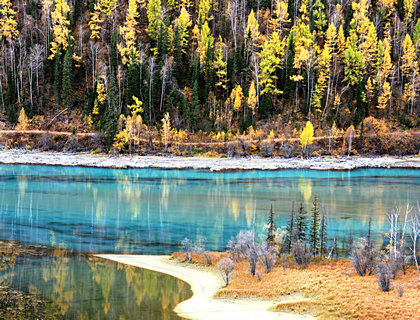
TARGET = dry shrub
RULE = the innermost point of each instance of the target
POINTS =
(384, 276)
(363, 258)
(267, 148)
(302, 254)
(376, 136)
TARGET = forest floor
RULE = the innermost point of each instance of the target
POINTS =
(205, 284)
(327, 289)
(19, 156)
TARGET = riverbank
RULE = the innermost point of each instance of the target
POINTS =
(213, 164)
(205, 284)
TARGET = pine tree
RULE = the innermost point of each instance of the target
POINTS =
(58, 75)
(314, 227)
(291, 230)
(301, 223)
(271, 232)
(11, 98)
(109, 121)
(154, 15)
(68, 77)
(323, 236)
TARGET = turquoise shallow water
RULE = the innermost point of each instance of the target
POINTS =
(151, 210)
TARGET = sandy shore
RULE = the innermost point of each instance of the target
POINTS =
(213, 164)
(204, 285)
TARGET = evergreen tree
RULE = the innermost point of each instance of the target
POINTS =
(195, 107)
(301, 223)
(271, 236)
(58, 76)
(314, 227)
(109, 121)
(68, 77)
(11, 98)
(133, 83)
(291, 232)
(323, 236)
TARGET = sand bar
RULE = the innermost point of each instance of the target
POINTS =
(213, 164)
(204, 284)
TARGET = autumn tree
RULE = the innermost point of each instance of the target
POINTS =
(8, 23)
(307, 137)
(409, 69)
(127, 47)
(60, 26)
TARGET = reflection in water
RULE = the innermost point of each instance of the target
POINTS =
(91, 288)
(151, 211)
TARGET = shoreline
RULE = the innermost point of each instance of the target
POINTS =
(23, 157)
(204, 285)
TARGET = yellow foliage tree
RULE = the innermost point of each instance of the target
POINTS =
(307, 137)
(183, 23)
(205, 43)
(252, 98)
(23, 121)
(7, 20)
(166, 129)
(60, 27)
(127, 47)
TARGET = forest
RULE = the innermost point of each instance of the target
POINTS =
(206, 70)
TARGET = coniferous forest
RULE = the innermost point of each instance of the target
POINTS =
(142, 72)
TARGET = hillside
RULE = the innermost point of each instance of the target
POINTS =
(171, 72)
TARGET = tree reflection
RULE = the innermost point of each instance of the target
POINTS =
(93, 288)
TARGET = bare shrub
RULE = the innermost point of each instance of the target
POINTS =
(363, 257)
(187, 246)
(226, 267)
(245, 246)
(384, 276)
(207, 257)
(400, 290)
(302, 254)
(268, 257)
(267, 148)
(190, 247)
(287, 150)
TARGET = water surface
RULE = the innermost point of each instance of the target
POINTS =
(152, 210)
(92, 288)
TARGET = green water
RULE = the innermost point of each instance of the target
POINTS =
(90, 288)
(151, 211)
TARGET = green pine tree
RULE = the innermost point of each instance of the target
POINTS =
(68, 77)
(11, 99)
(301, 223)
(314, 228)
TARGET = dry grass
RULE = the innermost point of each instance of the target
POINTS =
(334, 290)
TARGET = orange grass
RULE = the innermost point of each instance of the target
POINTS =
(334, 289)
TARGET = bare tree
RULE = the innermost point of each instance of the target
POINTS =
(415, 235)
(225, 267)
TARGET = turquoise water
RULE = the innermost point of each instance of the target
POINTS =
(151, 210)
